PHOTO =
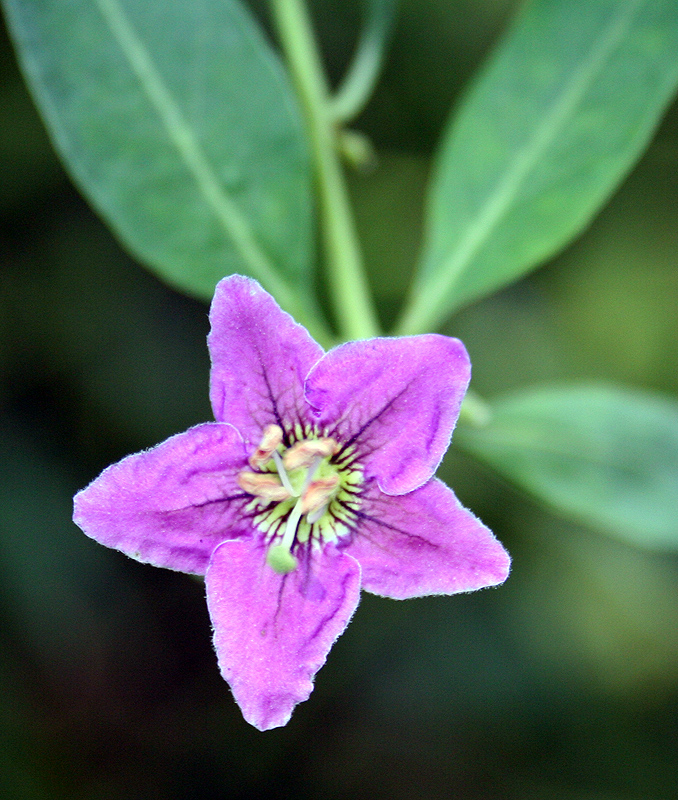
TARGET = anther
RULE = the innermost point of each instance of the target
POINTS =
(306, 452)
(270, 441)
(263, 485)
(318, 495)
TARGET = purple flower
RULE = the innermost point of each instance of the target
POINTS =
(316, 479)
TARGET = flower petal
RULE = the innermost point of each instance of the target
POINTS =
(424, 543)
(172, 505)
(272, 632)
(260, 357)
(397, 400)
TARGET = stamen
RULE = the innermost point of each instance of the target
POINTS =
(279, 557)
(292, 524)
(263, 485)
(282, 473)
(318, 494)
(270, 441)
(298, 466)
(310, 473)
(305, 452)
(313, 516)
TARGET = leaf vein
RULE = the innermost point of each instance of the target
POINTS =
(184, 140)
(507, 188)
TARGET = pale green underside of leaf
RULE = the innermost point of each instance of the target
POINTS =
(177, 122)
(605, 456)
(562, 110)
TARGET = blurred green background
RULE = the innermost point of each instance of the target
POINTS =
(563, 684)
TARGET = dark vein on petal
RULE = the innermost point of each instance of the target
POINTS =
(281, 590)
(274, 403)
(374, 418)
(230, 499)
(369, 518)
(324, 621)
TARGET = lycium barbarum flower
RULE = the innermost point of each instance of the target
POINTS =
(316, 480)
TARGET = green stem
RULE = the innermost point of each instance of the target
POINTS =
(190, 153)
(358, 84)
(348, 287)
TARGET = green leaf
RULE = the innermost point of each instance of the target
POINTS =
(605, 456)
(562, 110)
(178, 123)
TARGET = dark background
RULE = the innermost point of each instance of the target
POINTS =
(561, 685)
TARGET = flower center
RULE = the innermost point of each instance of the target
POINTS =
(302, 495)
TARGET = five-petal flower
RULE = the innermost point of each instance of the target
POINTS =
(316, 479)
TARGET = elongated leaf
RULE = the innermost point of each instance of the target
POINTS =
(605, 456)
(176, 120)
(556, 119)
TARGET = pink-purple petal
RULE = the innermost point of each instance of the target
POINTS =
(260, 358)
(424, 543)
(396, 400)
(391, 404)
(172, 505)
(272, 632)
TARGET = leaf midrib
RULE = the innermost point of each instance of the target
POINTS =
(508, 187)
(190, 152)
